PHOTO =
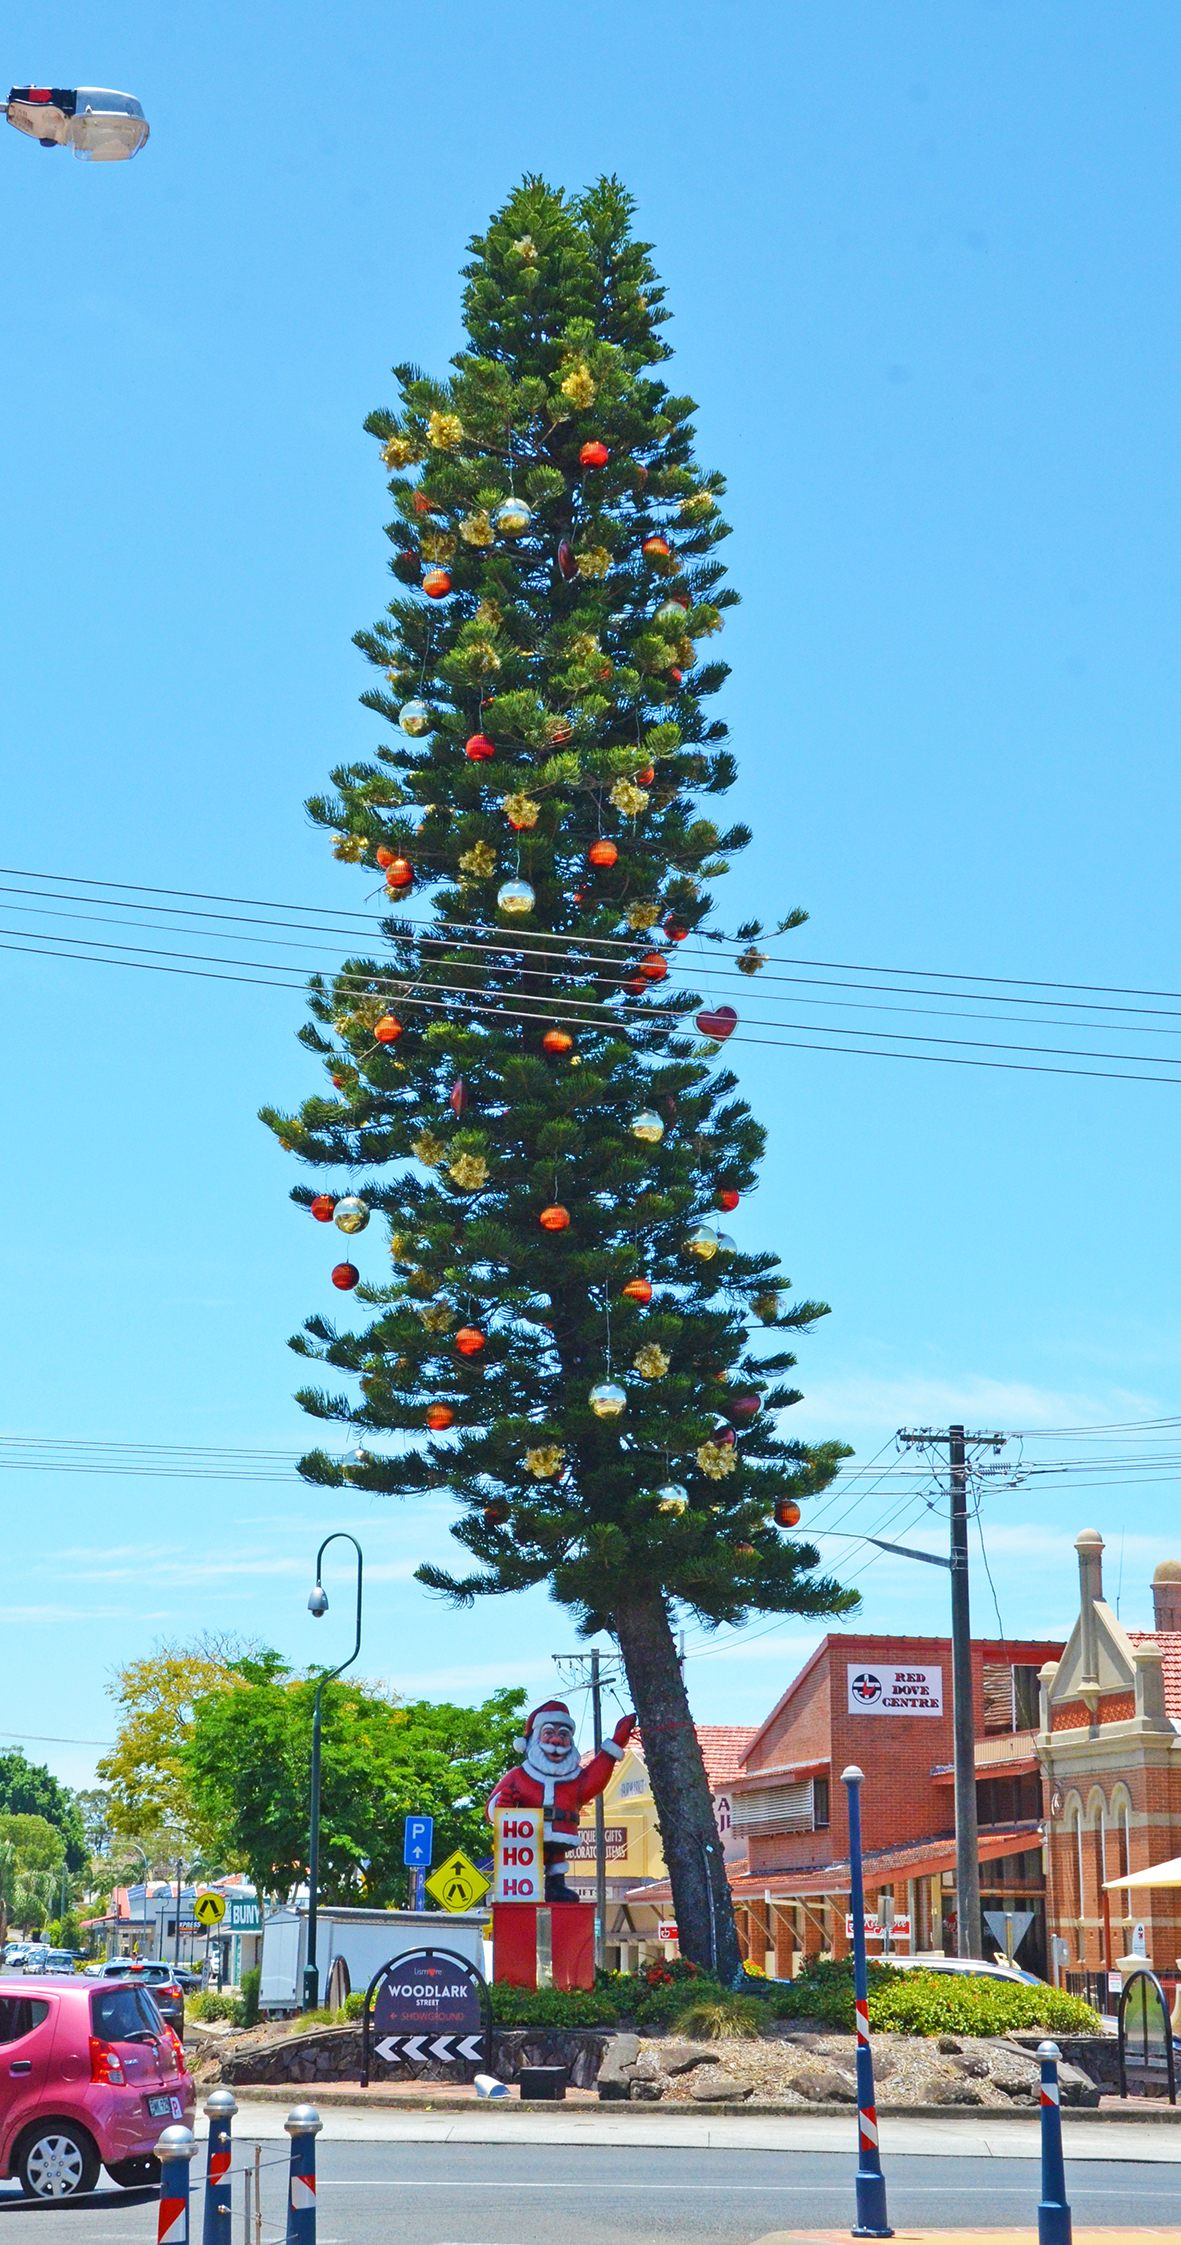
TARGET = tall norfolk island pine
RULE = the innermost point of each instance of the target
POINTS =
(544, 696)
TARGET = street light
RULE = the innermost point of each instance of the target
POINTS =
(317, 1607)
(103, 126)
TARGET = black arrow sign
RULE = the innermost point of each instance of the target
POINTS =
(449, 2050)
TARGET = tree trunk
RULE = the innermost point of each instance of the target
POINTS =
(692, 1849)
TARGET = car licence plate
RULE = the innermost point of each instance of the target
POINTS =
(164, 2108)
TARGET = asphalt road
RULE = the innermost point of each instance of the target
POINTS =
(491, 2194)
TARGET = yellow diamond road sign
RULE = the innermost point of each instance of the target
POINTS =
(457, 1884)
(209, 1909)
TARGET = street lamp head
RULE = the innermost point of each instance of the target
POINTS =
(318, 1601)
(97, 123)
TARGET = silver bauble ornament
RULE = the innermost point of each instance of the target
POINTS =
(672, 1498)
(671, 612)
(702, 1241)
(513, 517)
(414, 718)
(648, 1127)
(726, 1245)
(351, 1215)
(515, 896)
(608, 1401)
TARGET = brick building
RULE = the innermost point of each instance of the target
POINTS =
(1110, 1749)
(885, 1703)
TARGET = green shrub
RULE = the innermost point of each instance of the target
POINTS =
(552, 2007)
(250, 1984)
(354, 2003)
(711, 2018)
(212, 2005)
(933, 2003)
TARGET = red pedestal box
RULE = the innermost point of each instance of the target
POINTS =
(518, 1941)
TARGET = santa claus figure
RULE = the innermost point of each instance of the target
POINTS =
(552, 1777)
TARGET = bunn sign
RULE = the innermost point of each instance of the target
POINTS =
(428, 2005)
(894, 1691)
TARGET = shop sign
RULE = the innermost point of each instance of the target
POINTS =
(894, 1691)
(899, 1928)
(614, 1838)
(519, 1853)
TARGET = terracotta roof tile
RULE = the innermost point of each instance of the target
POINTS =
(1169, 1641)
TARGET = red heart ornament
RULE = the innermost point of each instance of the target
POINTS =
(718, 1021)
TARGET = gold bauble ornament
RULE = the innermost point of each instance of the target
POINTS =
(429, 1149)
(351, 1215)
(702, 1241)
(608, 1401)
(476, 528)
(647, 1127)
(513, 517)
(478, 862)
(629, 798)
(469, 1172)
(445, 431)
(672, 1498)
(717, 1460)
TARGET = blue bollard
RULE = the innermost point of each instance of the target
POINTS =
(174, 2151)
(220, 2108)
(1054, 2225)
(872, 2218)
(303, 2125)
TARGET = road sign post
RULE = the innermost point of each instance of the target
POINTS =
(872, 2218)
(429, 2005)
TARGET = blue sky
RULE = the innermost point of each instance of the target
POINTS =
(923, 265)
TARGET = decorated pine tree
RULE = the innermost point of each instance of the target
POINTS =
(522, 1086)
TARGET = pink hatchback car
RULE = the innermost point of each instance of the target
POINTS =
(89, 2076)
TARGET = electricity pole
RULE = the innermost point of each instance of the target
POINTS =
(597, 1680)
(967, 1838)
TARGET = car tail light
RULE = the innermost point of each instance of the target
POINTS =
(106, 2064)
(177, 2047)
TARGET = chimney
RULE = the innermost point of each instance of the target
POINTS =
(1166, 1596)
(1089, 1546)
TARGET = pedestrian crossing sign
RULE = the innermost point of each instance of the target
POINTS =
(457, 1885)
(209, 1909)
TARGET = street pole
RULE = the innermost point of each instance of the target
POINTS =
(318, 1605)
(176, 1934)
(872, 2217)
(967, 1836)
(600, 1824)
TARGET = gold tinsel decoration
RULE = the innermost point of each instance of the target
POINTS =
(476, 528)
(579, 386)
(350, 847)
(595, 561)
(480, 657)
(445, 431)
(521, 810)
(651, 1362)
(478, 862)
(437, 545)
(717, 1460)
(546, 1461)
(438, 1317)
(766, 1306)
(469, 1172)
(751, 960)
(641, 917)
(526, 249)
(398, 452)
(629, 798)
(429, 1149)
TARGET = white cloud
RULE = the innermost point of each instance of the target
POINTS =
(918, 1399)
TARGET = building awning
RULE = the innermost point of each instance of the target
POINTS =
(1157, 1874)
(920, 1859)
(785, 1773)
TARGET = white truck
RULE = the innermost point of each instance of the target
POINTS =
(357, 1941)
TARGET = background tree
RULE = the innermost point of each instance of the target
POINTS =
(515, 1081)
(247, 1764)
(32, 1856)
(147, 1800)
(28, 1789)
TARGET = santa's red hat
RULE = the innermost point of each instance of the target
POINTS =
(549, 1711)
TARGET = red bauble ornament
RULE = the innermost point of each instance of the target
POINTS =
(594, 454)
(458, 1096)
(723, 1437)
(496, 1513)
(745, 1408)
(555, 1218)
(557, 1041)
(323, 1208)
(602, 853)
(676, 930)
(726, 1199)
(339, 1082)
(787, 1512)
(656, 547)
(469, 1340)
(653, 967)
(388, 1030)
(479, 748)
(567, 564)
(638, 1290)
(676, 675)
(635, 985)
(646, 777)
(719, 1022)
(438, 1416)
(423, 505)
(345, 1275)
(436, 584)
(384, 857)
(399, 873)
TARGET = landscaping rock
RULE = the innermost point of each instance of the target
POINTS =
(712, 2085)
(614, 2081)
(953, 2089)
(681, 2057)
(949, 2046)
(823, 2085)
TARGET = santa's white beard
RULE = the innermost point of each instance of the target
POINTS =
(541, 1766)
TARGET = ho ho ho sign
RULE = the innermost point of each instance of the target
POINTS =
(894, 1691)
(428, 2004)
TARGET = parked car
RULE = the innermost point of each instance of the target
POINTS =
(89, 2076)
(59, 1961)
(933, 1960)
(153, 1973)
(35, 1956)
(15, 1953)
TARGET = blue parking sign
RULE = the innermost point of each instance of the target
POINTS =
(418, 1841)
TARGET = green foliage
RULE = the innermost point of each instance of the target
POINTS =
(248, 1991)
(146, 1798)
(246, 1768)
(211, 2004)
(552, 2007)
(932, 2003)
(28, 1789)
(713, 2018)
(354, 2003)
(583, 676)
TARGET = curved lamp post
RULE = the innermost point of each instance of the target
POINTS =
(317, 1606)
(96, 122)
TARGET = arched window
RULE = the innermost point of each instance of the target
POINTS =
(1074, 1863)
(1097, 1850)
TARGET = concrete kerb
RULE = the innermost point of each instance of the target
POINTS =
(1143, 2112)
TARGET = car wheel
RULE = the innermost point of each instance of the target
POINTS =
(57, 2160)
(132, 2174)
